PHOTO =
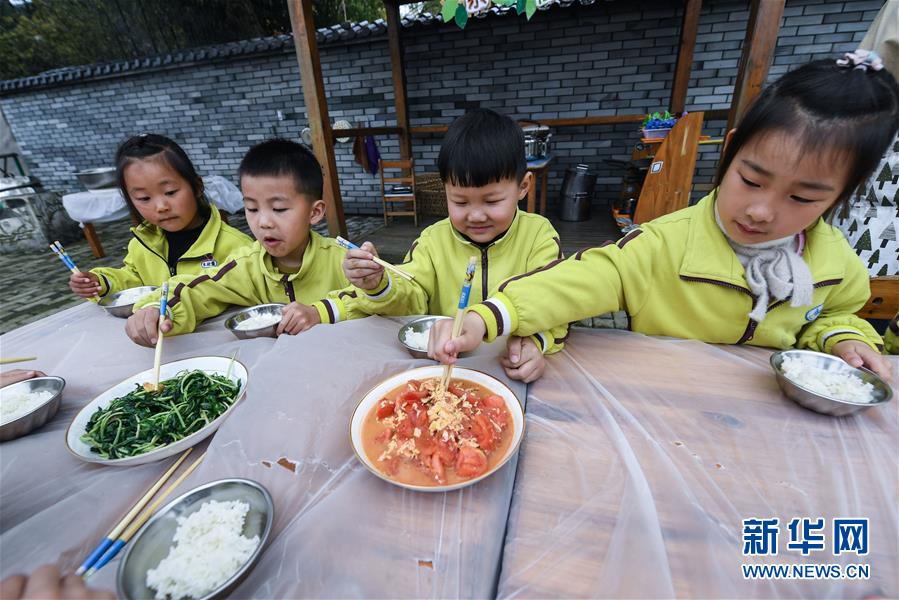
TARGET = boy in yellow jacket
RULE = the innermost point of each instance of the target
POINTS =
(289, 263)
(753, 262)
(179, 234)
(482, 165)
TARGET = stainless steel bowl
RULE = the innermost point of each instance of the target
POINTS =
(40, 414)
(110, 302)
(420, 325)
(233, 322)
(153, 541)
(98, 179)
(821, 403)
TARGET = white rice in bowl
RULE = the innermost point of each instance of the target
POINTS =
(208, 549)
(15, 404)
(129, 297)
(258, 322)
(417, 340)
(835, 384)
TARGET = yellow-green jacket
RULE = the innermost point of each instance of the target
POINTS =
(891, 338)
(248, 278)
(146, 262)
(677, 276)
(438, 258)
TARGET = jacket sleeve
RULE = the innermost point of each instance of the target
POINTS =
(114, 280)
(548, 248)
(194, 299)
(591, 282)
(396, 295)
(838, 320)
(891, 337)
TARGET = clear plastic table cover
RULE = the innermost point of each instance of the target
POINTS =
(643, 456)
(339, 531)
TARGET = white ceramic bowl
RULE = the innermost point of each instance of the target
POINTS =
(210, 364)
(394, 381)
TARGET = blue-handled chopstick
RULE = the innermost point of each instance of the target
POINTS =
(345, 243)
(59, 251)
(460, 311)
(113, 548)
(110, 538)
(163, 301)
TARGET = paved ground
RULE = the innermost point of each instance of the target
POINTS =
(36, 285)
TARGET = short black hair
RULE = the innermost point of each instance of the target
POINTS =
(854, 112)
(482, 147)
(276, 157)
(150, 145)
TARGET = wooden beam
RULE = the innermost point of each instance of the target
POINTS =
(394, 26)
(689, 27)
(353, 132)
(758, 52)
(317, 109)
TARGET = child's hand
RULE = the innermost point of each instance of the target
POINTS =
(48, 582)
(360, 269)
(17, 375)
(85, 284)
(297, 318)
(141, 326)
(860, 354)
(444, 348)
(523, 360)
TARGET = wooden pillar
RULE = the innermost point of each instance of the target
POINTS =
(317, 109)
(394, 26)
(758, 52)
(688, 29)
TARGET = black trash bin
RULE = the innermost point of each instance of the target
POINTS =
(577, 193)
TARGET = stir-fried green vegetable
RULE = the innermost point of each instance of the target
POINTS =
(141, 420)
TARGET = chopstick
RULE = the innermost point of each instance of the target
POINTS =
(59, 251)
(16, 359)
(123, 522)
(163, 301)
(345, 243)
(139, 522)
(460, 312)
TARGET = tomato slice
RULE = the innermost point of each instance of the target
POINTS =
(410, 396)
(426, 445)
(414, 384)
(437, 469)
(385, 408)
(455, 390)
(483, 431)
(392, 465)
(446, 451)
(471, 462)
(494, 401)
(405, 429)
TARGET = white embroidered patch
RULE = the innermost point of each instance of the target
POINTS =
(209, 263)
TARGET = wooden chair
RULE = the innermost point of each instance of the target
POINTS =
(884, 300)
(404, 197)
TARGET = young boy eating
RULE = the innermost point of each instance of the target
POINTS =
(289, 263)
(483, 168)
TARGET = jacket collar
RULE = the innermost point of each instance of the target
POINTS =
(154, 238)
(269, 269)
(709, 256)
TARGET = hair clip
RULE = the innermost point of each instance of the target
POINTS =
(861, 59)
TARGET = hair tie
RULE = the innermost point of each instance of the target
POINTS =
(861, 59)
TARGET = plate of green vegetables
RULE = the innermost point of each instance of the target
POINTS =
(131, 425)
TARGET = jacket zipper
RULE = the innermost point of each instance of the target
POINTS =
(751, 325)
(484, 262)
(172, 270)
(288, 288)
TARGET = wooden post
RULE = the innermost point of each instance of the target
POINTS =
(317, 109)
(394, 26)
(688, 29)
(758, 52)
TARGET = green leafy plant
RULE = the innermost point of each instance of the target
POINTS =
(142, 421)
(454, 10)
(658, 120)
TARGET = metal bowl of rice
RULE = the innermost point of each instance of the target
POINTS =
(827, 384)
(121, 303)
(256, 321)
(414, 335)
(214, 553)
(29, 404)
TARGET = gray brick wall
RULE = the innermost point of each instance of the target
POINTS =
(602, 59)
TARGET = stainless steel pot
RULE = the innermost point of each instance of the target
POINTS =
(536, 141)
(98, 179)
